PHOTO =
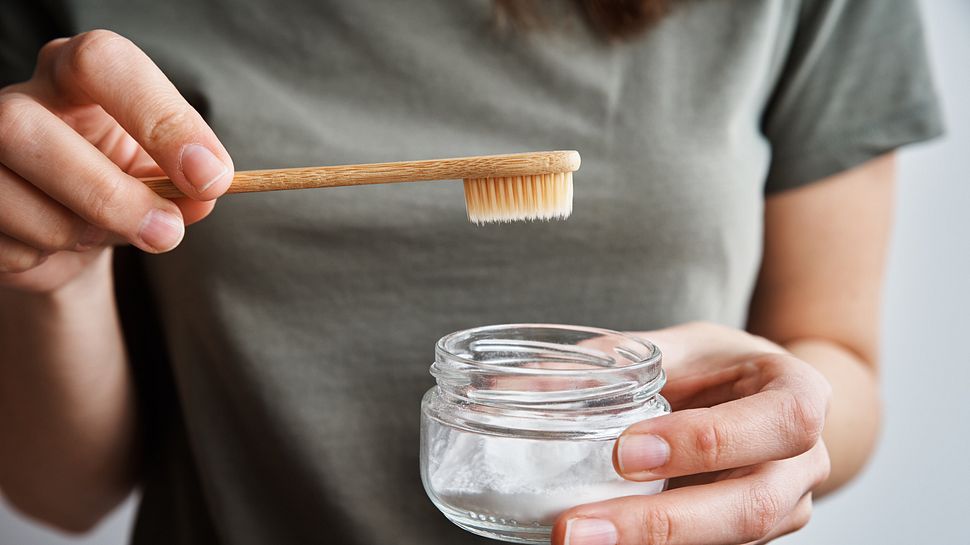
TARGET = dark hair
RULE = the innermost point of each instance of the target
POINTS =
(612, 19)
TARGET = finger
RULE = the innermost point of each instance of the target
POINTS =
(691, 345)
(713, 387)
(101, 67)
(41, 148)
(30, 216)
(797, 519)
(815, 470)
(724, 512)
(194, 211)
(782, 420)
(17, 257)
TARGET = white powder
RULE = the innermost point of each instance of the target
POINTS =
(523, 481)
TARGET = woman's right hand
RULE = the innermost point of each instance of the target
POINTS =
(97, 114)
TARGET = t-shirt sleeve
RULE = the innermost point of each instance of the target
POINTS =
(25, 26)
(856, 84)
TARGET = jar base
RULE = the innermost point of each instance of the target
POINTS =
(494, 527)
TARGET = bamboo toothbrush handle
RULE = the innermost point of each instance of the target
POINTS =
(484, 166)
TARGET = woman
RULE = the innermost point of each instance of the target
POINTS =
(737, 171)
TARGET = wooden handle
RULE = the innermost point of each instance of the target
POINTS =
(484, 166)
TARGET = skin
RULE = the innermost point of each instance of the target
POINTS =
(96, 112)
(760, 425)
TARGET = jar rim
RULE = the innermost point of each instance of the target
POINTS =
(651, 357)
(545, 379)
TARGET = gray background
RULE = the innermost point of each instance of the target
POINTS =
(914, 491)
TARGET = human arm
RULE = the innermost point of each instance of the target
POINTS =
(748, 443)
(818, 295)
(67, 408)
(96, 113)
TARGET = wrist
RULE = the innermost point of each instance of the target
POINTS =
(855, 412)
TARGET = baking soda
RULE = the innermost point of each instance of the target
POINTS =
(523, 482)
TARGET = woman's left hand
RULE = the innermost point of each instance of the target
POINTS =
(743, 448)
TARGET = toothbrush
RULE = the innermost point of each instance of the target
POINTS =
(498, 188)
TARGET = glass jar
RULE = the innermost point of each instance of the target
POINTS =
(522, 422)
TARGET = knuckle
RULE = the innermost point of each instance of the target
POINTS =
(91, 49)
(656, 527)
(813, 378)
(166, 125)
(772, 365)
(107, 202)
(804, 419)
(59, 235)
(710, 442)
(762, 511)
(49, 51)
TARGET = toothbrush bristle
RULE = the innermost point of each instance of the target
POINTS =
(515, 198)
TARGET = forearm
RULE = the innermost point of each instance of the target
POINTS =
(853, 422)
(66, 403)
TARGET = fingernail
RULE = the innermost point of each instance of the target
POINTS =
(201, 167)
(590, 532)
(161, 230)
(641, 452)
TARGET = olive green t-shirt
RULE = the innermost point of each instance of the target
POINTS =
(282, 350)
